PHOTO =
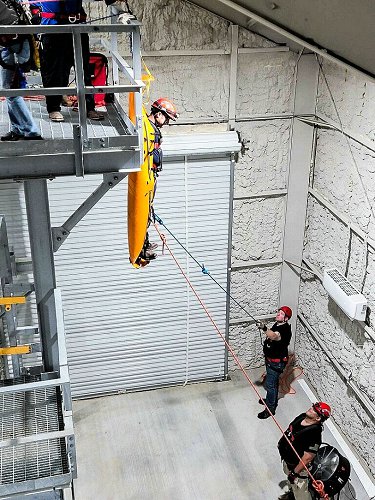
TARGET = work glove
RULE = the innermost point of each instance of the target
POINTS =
(124, 18)
(292, 476)
(262, 326)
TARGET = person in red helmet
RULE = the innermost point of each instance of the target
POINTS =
(305, 433)
(162, 111)
(275, 349)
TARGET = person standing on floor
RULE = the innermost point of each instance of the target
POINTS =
(57, 55)
(305, 434)
(275, 349)
(15, 52)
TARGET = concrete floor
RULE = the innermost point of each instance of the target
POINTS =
(200, 442)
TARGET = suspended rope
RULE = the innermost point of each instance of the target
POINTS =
(318, 485)
(204, 270)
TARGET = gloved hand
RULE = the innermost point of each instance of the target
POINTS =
(292, 476)
(124, 18)
(262, 326)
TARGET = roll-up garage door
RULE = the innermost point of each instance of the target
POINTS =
(130, 329)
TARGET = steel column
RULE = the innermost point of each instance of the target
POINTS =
(298, 183)
(38, 216)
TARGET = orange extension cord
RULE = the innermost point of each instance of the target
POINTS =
(318, 485)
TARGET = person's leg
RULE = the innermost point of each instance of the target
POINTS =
(21, 120)
(55, 64)
(274, 370)
(272, 385)
(90, 102)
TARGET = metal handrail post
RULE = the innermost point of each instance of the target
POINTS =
(77, 45)
(137, 68)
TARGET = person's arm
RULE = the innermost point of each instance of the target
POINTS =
(273, 335)
(269, 333)
(306, 458)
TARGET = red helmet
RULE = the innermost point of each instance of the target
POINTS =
(165, 106)
(287, 310)
(322, 409)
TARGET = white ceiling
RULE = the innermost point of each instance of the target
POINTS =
(345, 28)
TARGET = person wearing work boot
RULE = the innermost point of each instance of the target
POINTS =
(275, 349)
(305, 433)
(162, 111)
(15, 54)
(56, 52)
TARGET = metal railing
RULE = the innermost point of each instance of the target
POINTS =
(83, 154)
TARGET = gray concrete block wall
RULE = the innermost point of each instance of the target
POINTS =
(265, 83)
(354, 97)
(257, 230)
(263, 165)
(329, 242)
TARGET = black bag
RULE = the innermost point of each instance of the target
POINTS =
(23, 17)
(99, 77)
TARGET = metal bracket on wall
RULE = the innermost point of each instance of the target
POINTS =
(60, 234)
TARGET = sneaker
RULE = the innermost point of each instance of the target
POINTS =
(94, 115)
(33, 138)
(264, 414)
(12, 136)
(56, 116)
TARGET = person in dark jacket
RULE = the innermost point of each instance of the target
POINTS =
(57, 56)
(305, 434)
(15, 51)
(275, 349)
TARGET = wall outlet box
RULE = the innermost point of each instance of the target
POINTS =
(352, 303)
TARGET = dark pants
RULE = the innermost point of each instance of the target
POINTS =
(273, 371)
(56, 61)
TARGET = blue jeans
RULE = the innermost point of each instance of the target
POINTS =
(21, 121)
(273, 371)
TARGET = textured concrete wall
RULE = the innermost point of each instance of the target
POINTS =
(330, 243)
(354, 97)
(265, 83)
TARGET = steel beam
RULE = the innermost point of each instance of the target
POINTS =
(95, 162)
(298, 181)
(294, 38)
(38, 217)
(233, 76)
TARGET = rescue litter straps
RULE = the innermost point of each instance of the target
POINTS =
(318, 485)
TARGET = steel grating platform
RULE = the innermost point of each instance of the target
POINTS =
(24, 414)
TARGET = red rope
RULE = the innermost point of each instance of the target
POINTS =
(318, 485)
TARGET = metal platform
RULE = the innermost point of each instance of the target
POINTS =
(25, 414)
(79, 146)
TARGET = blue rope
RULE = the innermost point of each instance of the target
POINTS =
(203, 268)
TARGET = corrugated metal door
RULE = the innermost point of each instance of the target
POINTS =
(129, 329)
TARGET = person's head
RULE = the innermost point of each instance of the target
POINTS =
(319, 412)
(163, 110)
(283, 314)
